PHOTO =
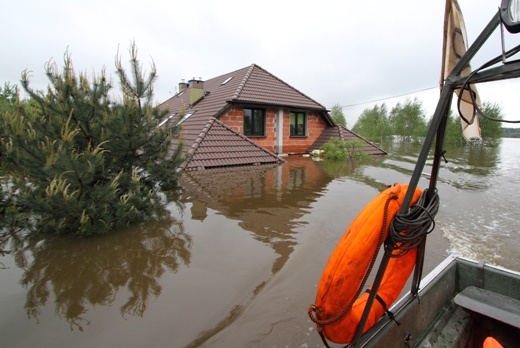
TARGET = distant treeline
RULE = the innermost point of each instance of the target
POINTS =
(408, 122)
(511, 132)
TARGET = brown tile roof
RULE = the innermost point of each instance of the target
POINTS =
(217, 145)
(250, 85)
(344, 134)
(208, 143)
(261, 87)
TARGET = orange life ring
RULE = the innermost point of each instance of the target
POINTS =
(490, 342)
(334, 311)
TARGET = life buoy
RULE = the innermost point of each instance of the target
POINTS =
(490, 342)
(337, 309)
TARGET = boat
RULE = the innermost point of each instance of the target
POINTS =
(461, 303)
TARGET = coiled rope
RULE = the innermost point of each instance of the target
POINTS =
(408, 230)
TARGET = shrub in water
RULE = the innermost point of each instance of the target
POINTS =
(337, 149)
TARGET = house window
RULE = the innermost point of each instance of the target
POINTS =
(254, 122)
(185, 117)
(298, 124)
(227, 80)
(166, 119)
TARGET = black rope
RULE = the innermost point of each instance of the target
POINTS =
(383, 304)
(408, 230)
(473, 94)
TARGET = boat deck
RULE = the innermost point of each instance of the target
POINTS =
(460, 303)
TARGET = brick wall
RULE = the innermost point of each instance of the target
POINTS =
(269, 140)
(234, 119)
(315, 126)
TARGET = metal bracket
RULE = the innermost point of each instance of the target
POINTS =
(480, 274)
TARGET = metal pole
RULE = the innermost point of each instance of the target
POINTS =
(441, 115)
(444, 101)
(370, 300)
(442, 107)
(439, 141)
(437, 128)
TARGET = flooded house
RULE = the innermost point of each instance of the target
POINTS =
(249, 117)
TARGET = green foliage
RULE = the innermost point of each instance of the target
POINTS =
(8, 97)
(8, 102)
(408, 121)
(453, 134)
(341, 150)
(373, 124)
(511, 132)
(491, 131)
(85, 164)
(337, 115)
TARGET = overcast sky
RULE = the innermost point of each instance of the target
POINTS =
(344, 52)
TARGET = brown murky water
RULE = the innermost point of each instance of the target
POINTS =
(236, 262)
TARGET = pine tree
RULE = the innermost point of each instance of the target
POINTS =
(85, 163)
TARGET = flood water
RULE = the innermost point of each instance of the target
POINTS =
(236, 261)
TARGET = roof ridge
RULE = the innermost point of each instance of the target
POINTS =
(201, 136)
(243, 82)
(193, 148)
(228, 73)
(343, 130)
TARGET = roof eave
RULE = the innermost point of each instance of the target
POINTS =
(274, 105)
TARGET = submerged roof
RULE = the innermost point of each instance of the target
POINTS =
(220, 146)
(344, 134)
(251, 85)
(209, 143)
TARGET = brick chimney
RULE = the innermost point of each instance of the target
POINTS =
(196, 89)
(182, 85)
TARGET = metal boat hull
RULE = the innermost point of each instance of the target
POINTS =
(434, 319)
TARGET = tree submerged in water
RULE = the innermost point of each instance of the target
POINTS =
(490, 127)
(78, 162)
(406, 122)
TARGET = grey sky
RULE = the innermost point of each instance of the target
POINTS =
(333, 51)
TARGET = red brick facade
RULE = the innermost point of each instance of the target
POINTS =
(315, 126)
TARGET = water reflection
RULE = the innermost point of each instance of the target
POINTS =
(267, 201)
(78, 274)
(467, 167)
(355, 170)
(236, 288)
(470, 166)
(476, 160)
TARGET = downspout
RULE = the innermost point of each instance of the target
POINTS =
(278, 146)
